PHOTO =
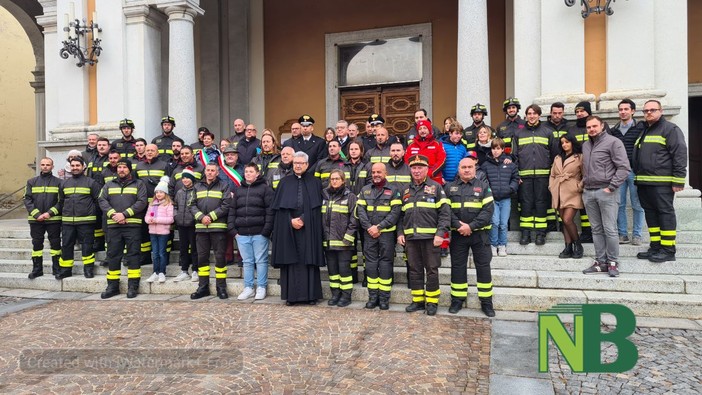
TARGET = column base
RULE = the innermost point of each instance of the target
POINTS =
(688, 209)
(610, 100)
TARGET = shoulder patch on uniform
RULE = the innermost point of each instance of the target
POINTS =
(453, 189)
(430, 189)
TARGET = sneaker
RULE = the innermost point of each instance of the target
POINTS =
(194, 277)
(636, 241)
(597, 267)
(152, 278)
(612, 269)
(183, 276)
(162, 277)
(260, 293)
(502, 250)
(494, 250)
(247, 293)
(624, 239)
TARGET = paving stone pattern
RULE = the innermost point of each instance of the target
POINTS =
(278, 349)
(669, 363)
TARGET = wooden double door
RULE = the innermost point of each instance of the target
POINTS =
(396, 105)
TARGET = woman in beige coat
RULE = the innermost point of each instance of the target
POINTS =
(566, 186)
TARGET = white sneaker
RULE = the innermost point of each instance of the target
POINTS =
(194, 277)
(260, 293)
(502, 250)
(181, 277)
(152, 278)
(494, 250)
(162, 277)
(247, 293)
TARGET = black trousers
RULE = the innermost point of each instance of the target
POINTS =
(533, 200)
(339, 268)
(145, 245)
(53, 232)
(424, 257)
(216, 241)
(379, 255)
(460, 246)
(657, 202)
(188, 248)
(69, 234)
(122, 237)
(99, 232)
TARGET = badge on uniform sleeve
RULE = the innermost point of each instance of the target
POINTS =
(430, 190)
(453, 189)
(477, 189)
(387, 192)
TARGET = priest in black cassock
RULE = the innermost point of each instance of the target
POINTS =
(297, 234)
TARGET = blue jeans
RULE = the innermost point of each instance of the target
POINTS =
(637, 211)
(500, 218)
(158, 253)
(254, 250)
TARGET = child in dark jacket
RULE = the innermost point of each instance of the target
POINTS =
(504, 181)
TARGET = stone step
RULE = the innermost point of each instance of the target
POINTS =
(682, 266)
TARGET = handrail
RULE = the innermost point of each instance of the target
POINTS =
(7, 197)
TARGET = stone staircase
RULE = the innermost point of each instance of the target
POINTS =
(531, 278)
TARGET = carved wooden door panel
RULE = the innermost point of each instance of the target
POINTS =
(357, 106)
(396, 104)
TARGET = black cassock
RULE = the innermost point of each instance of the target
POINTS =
(298, 252)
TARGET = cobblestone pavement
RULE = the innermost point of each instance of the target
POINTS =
(670, 362)
(257, 348)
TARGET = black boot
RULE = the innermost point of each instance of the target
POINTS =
(55, 265)
(133, 287)
(111, 290)
(456, 306)
(486, 306)
(203, 288)
(414, 306)
(432, 308)
(89, 271)
(526, 238)
(345, 299)
(578, 250)
(64, 272)
(221, 285)
(384, 300)
(37, 268)
(649, 253)
(586, 235)
(373, 299)
(336, 295)
(540, 238)
(567, 251)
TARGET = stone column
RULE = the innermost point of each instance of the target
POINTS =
(40, 112)
(473, 68)
(182, 103)
(526, 19)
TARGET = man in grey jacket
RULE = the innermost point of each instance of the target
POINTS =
(605, 168)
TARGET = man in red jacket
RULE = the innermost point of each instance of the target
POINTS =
(426, 145)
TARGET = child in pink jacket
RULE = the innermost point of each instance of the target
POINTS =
(159, 216)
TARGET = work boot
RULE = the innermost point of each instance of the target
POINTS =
(431, 308)
(336, 295)
(221, 285)
(526, 238)
(55, 264)
(486, 306)
(540, 238)
(89, 271)
(111, 290)
(647, 254)
(203, 288)
(578, 250)
(586, 235)
(345, 299)
(567, 251)
(64, 272)
(551, 226)
(662, 256)
(37, 268)
(133, 287)
(456, 306)
(414, 306)
(372, 299)
(384, 300)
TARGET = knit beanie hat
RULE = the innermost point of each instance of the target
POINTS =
(585, 105)
(162, 185)
(188, 173)
(424, 122)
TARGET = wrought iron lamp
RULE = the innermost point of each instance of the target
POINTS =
(76, 40)
(590, 6)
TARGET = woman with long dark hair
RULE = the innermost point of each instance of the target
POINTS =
(566, 186)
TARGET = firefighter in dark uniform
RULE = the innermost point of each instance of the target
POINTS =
(558, 125)
(109, 173)
(399, 176)
(210, 209)
(41, 198)
(150, 172)
(78, 196)
(333, 161)
(125, 145)
(471, 217)
(426, 217)
(94, 171)
(187, 160)
(378, 209)
(165, 140)
(380, 151)
(513, 122)
(660, 166)
(124, 202)
(478, 112)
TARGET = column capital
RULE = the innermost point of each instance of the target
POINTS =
(142, 13)
(48, 19)
(39, 83)
(180, 9)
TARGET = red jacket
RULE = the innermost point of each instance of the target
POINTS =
(433, 150)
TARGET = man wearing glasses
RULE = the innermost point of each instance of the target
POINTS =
(660, 165)
(248, 145)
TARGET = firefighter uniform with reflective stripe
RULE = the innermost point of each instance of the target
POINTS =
(660, 163)
(78, 196)
(339, 226)
(426, 212)
(324, 168)
(266, 161)
(128, 197)
(378, 154)
(41, 195)
(506, 131)
(472, 204)
(357, 174)
(125, 148)
(531, 148)
(381, 206)
(94, 169)
(164, 142)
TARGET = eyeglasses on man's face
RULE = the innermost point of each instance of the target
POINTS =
(650, 110)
